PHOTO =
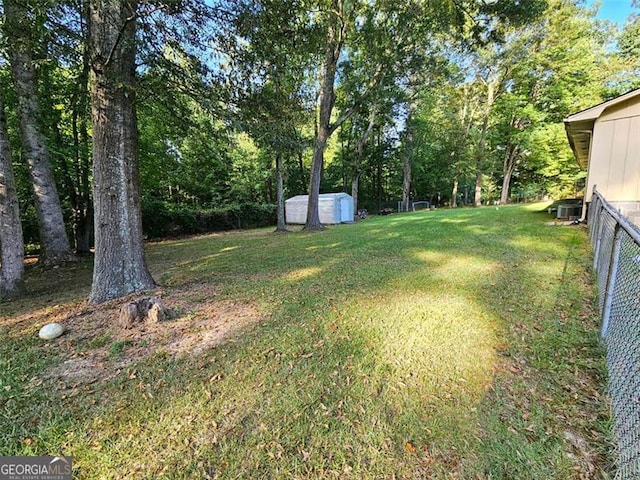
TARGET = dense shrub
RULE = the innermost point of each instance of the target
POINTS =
(164, 219)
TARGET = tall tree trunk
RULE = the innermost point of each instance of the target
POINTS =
(326, 99)
(454, 190)
(336, 30)
(313, 215)
(120, 266)
(379, 191)
(282, 224)
(482, 144)
(466, 121)
(509, 165)
(303, 184)
(11, 240)
(477, 191)
(406, 184)
(355, 187)
(83, 207)
(406, 175)
(19, 34)
(360, 144)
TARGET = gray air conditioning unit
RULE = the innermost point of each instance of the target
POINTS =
(571, 212)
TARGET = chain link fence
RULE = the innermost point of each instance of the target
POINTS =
(616, 242)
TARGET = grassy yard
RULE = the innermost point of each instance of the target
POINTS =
(447, 344)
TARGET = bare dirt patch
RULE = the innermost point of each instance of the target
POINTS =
(97, 349)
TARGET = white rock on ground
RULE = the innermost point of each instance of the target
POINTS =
(51, 331)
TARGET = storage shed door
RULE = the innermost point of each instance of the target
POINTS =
(346, 209)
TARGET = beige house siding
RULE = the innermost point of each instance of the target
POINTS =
(606, 142)
(628, 108)
(614, 166)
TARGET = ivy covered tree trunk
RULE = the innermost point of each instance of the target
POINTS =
(20, 35)
(11, 241)
(120, 266)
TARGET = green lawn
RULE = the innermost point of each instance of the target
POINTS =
(446, 344)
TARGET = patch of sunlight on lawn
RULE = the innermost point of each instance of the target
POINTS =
(453, 220)
(462, 271)
(434, 339)
(548, 245)
(537, 207)
(302, 273)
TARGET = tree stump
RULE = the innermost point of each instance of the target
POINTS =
(151, 309)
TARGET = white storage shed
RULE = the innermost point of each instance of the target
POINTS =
(332, 208)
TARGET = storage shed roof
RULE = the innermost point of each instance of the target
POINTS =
(322, 196)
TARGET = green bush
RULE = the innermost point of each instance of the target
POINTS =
(165, 219)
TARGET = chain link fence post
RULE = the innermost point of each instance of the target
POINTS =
(611, 280)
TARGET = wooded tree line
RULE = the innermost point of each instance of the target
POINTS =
(114, 113)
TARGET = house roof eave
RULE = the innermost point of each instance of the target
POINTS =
(592, 113)
(579, 135)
